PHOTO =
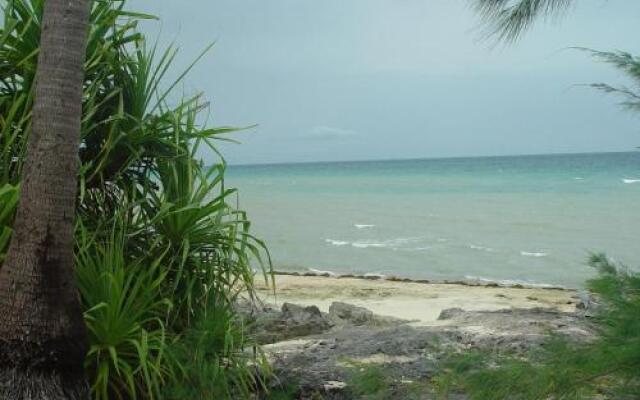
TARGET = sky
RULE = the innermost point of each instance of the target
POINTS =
(329, 80)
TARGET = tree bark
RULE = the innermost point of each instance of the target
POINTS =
(42, 334)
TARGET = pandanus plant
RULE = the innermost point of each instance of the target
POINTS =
(148, 210)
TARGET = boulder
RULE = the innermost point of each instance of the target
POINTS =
(587, 304)
(355, 315)
(303, 321)
(450, 313)
(290, 322)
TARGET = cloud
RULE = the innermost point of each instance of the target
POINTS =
(329, 133)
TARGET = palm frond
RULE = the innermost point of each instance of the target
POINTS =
(508, 19)
(160, 244)
(629, 65)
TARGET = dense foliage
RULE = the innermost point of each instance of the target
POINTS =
(608, 367)
(162, 253)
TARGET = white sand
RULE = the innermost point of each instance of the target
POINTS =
(417, 302)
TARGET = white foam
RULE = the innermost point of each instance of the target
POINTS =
(394, 244)
(401, 241)
(631, 180)
(374, 275)
(364, 245)
(483, 248)
(321, 272)
(364, 226)
(533, 254)
(336, 242)
(509, 282)
(423, 248)
(578, 178)
(442, 240)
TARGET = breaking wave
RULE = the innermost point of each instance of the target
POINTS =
(375, 275)
(533, 254)
(322, 272)
(482, 248)
(509, 282)
(364, 245)
(364, 226)
(336, 242)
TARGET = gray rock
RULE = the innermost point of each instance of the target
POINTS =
(270, 325)
(311, 363)
(450, 313)
(304, 321)
(341, 314)
(350, 313)
(327, 347)
(518, 330)
(587, 304)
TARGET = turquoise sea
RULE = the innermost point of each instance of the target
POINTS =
(529, 219)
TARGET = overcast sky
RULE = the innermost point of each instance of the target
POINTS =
(389, 79)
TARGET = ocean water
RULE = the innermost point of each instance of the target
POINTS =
(527, 219)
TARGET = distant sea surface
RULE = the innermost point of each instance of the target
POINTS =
(519, 219)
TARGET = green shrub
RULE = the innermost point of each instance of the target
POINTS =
(161, 245)
(368, 381)
(220, 361)
(608, 367)
(124, 314)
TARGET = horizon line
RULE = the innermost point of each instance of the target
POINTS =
(265, 164)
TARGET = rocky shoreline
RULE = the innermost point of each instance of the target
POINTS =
(393, 278)
(318, 341)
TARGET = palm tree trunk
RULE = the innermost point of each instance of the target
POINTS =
(42, 333)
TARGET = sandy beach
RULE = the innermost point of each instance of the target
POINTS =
(420, 303)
